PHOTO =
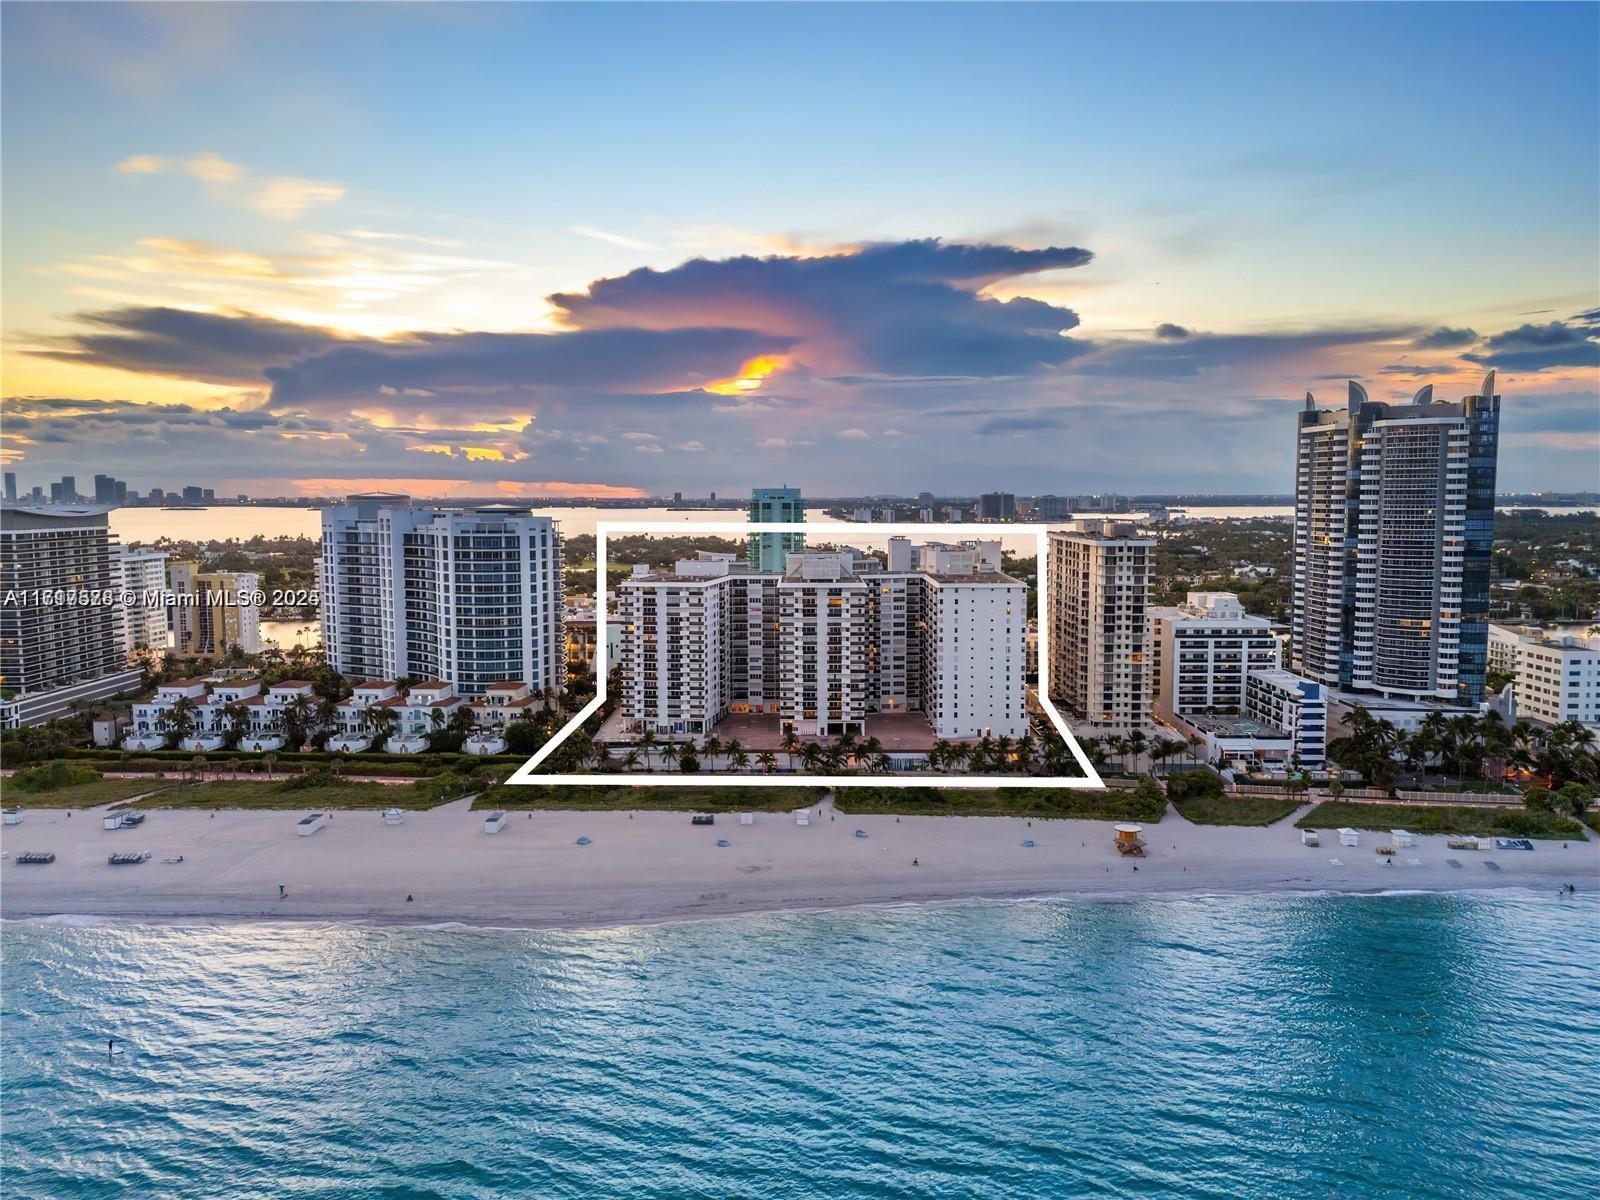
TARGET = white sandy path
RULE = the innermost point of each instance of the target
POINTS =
(656, 866)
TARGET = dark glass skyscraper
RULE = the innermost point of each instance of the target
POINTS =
(1394, 528)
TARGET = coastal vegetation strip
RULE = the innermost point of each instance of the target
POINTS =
(1141, 804)
(688, 798)
(90, 794)
(330, 794)
(1434, 818)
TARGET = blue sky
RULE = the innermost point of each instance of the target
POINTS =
(366, 210)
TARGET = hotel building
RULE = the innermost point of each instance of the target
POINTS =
(1099, 627)
(1394, 523)
(829, 642)
(1556, 677)
(775, 506)
(471, 598)
(62, 626)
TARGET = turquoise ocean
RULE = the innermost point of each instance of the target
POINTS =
(1343, 1047)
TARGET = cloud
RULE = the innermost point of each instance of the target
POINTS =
(1446, 338)
(282, 197)
(853, 433)
(1198, 353)
(1573, 343)
(230, 348)
(614, 239)
(901, 309)
(289, 199)
(213, 168)
(1170, 331)
(1406, 369)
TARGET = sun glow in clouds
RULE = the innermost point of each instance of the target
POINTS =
(750, 376)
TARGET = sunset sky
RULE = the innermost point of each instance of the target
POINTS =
(612, 250)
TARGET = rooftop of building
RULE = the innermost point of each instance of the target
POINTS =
(1232, 726)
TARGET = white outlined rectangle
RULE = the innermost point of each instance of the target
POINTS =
(1089, 780)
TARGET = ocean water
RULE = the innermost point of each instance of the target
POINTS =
(1293, 1046)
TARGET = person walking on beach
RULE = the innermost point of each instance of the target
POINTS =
(280, 891)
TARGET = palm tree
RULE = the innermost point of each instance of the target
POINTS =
(235, 720)
(1136, 743)
(647, 743)
(791, 745)
(810, 755)
(269, 760)
(630, 760)
(768, 761)
(871, 751)
(711, 747)
(297, 721)
(737, 758)
(181, 717)
(381, 719)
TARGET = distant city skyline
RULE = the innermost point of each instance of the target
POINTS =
(1039, 248)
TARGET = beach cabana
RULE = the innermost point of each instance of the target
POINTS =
(13, 816)
(393, 816)
(1399, 837)
(310, 823)
(802, 816)
(747, 818)
(1349, 837)
(494, 822)
(1310, 837)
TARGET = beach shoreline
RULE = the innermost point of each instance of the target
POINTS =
(645, 868)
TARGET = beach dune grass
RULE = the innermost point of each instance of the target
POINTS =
(1440, 818)
(1236, 810)
(1043, 802)
(618, 797)
(82, 795)
(248, 794)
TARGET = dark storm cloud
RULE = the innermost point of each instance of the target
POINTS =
(472, 362)
(1170, 331)
(230, 348)
(897, 309)
(1446, 338)
(1574, 343)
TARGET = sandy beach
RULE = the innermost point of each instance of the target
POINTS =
(655, 866)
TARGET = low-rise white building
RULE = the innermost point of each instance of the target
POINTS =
(356, 723)
(268, 727)
(1556, 677)
(425, 711)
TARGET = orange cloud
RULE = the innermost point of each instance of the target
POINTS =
(750, 376)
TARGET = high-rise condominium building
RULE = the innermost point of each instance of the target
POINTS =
(997, 506)
(214, 611)
(144, 577)
(1202, 652)
(773, 506)
(825, 644)
(1099, 628)
(61, 629)
(472, 598)
(1394, 525)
